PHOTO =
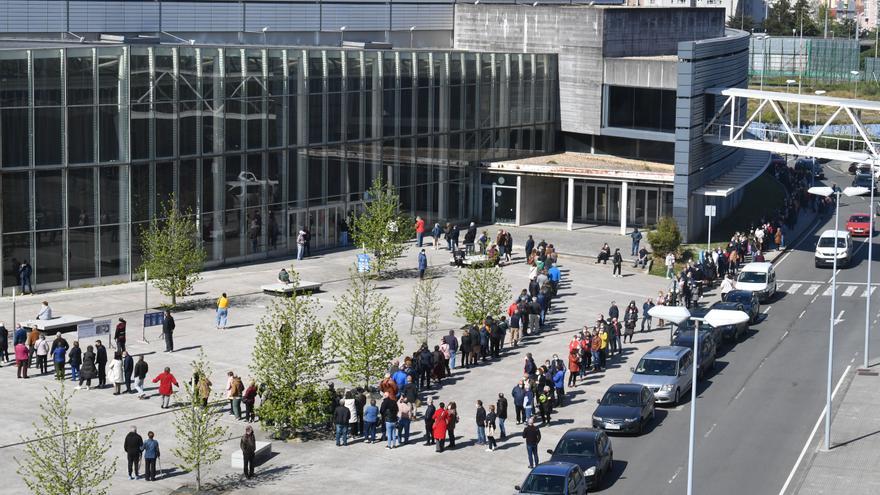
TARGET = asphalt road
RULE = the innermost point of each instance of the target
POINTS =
(755, 413)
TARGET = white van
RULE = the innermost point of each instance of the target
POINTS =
(759, 278)
(825, 248)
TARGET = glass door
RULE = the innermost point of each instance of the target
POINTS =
(614, 204)
(505, 204)
(601, 210)
(487, 204)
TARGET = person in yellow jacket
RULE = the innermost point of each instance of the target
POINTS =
(222, 311)
(603, 347)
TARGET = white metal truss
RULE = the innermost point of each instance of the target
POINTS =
(728, 127)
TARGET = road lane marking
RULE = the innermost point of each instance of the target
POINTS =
(850, 290)
(814, 298)
(784, 335)
(677, 472)
(828, 291)
(812, 434)
(811, 289)
(710, 430)
(802, 314)
(741, 390)
(865, 292)
(793, 288)
(766, 310)
(839, 319)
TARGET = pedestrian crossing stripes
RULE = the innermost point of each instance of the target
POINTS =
(849, 290)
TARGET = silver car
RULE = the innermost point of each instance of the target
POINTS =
(666, 370)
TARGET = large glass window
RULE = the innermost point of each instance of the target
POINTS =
(80, 80)
(112, 188)
(47, 77)
(49, 261)
(80, 197)
(81, 246)
(47, 136)
(48, 200)
(140, 192)
(80, 134)
(16, 250)
(14, 76)
(16, 202)
(641, 108)
(114, 252)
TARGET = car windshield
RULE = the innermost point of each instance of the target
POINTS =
(662, 367)
(629, 399)
(544, 483)
(859, 219)
(752, 277)
(739, 297)
(576, 446)
(828, 242)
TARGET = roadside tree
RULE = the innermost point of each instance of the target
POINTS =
(425, 304)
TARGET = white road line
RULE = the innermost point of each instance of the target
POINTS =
(802, 314)
(865, 292)
(839, 319)
(766, 310)
(739, 393)
(784, 335)
(812, 434)
(828, 291)
(811, 289)
(793, 288)
(677, 471)
(850, 290)
(710, 430)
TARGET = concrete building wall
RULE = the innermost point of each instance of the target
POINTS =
(539, 199)
(719, 62)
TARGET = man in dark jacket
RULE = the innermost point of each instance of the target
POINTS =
(530, 244)
(481, 424)
(501, 409)
(389, 417)
(168, 331)
(519, 393)
(248, 445)
(613, 311)
(133, 446)
(360, 401)
(341, 416)
(532, 435)
(429, 422)
(127, 370)
(469, 237)
(119, 335)
(101, 362)
(140, 374)
(426, 364)
(452, 342)
(4, 343)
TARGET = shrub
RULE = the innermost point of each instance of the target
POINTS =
(667, 237)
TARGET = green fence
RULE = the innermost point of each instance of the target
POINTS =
(828, 60)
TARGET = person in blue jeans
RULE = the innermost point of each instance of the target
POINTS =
(481, 424)
(405, 414)
(532, 435)
(452, 342)
(341, 416)
(636, 239)
(389, 416)
(74, 357)
(371, 415)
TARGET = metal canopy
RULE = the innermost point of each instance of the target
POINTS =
(752, 165)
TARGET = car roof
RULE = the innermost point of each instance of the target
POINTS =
(581, 433)
(557, 468)
(666, 352)
(625, 387)
(725, 304)
(830, 233)
(738, 292)
(760, 266)
(860, 215)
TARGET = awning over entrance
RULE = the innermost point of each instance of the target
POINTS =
(753, 164)
(588, 166)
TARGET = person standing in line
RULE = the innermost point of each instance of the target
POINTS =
(230, 379)
(533, 436)
(630, 317)
(371, 416)
(405, 411)
(519, 394)
(429, 422)
(165, 381)
(4, 343)
(559, 385)
(42, 352)
(119, 335)
(452, 420)
(420, 231)
(423, 264)
(341, 416)
(439, 427)
(236, 392)
(168, 331)
(117, 373)
(88, 371)
(74, 357)
(435, 232)
(248, 445)
(151, 453)
(203, 384)
(58, 359)
(127, 370)
(501, 412)
(222, 311)
(21, 360)
(389, 417)
(452, 342)
(101, 361)
(481, 423)
(133, 446)
(249, 398)
(490, 428)
(140, 374)
(646, 316)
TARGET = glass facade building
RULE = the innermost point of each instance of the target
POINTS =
(254, 141)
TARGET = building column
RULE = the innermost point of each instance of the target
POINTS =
(623, 212)
(569, 209)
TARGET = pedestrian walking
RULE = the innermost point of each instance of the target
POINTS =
(133, 446)
(248, 445)
(151, 454)
(423, 264)
(101, 362)
(222, 311)
(117, 375)
(670, 264)
(165, 381)
(616, 263)
(168, 331)
(140, 374)
(88, 372)
(127, 370)
(532, 435)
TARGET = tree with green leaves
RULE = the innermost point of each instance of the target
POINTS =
(425, 305)
(289, 360)
(198, 429)
(172, 254)
(382, 229)
(481, 292)
(362, 333)
(666, 238)
(63, 457)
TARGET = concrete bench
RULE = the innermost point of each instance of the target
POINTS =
(61, 324)
(263, 452)
(280, 289)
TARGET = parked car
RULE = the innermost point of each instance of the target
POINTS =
(812, 165)
(590, 449)
(707, 348)
(864, 180)
(625, 407)
(758, 277)
(666, 370)
(859, 224)
(732, 332)
(704, 327)
(554, 478)
(749, 300)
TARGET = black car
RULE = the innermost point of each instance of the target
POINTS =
(588, 448)
(732, 332)
(706, 356)
(864, 180)
(688, 325)
(749, 300)
(625, 407)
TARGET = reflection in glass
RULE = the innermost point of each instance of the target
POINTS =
(81, 256)
(48, 200)
(112, 188)
(16, 249)
(48, 263)
(114, 252)
(80, 197)
(16, 202)
(47, 136)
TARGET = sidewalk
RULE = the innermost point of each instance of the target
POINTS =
(852, 466)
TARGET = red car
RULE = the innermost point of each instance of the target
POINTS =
(859, 224)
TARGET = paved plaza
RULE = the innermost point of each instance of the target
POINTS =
(587, 290)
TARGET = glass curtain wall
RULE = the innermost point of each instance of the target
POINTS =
(254, 142)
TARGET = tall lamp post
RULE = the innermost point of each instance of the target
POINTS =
(788, 83)
(826, 191)
(870, 259)
(716, 318)
(342, 35)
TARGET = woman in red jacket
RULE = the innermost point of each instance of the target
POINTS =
(165, 381)
(439, 428)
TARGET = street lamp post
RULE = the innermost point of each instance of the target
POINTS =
(788, 83)
(870, 260)
(411, 29)
(715, 317)
(342, 35)
(855, 74)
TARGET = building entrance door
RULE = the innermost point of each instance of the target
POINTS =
(504, 204)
